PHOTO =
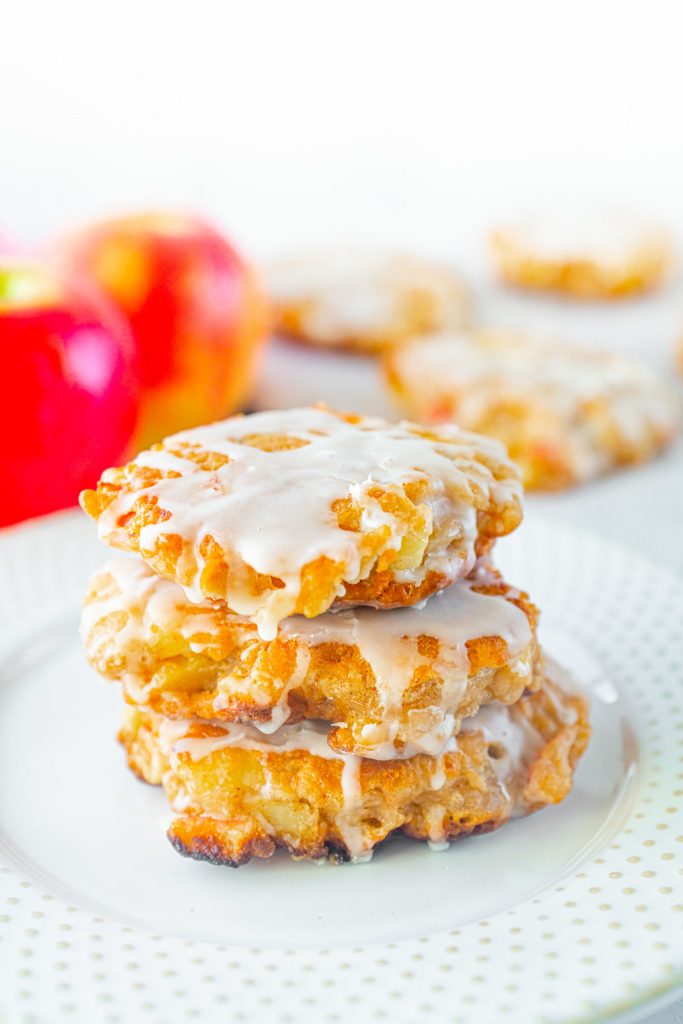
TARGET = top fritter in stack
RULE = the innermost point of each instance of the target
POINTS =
(313, 644)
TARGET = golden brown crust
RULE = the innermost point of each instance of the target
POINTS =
(129, 502)
(184, 660)
(225, 843)
(231, 797)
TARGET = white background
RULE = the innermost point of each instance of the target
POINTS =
(300, 118)
(292, 121)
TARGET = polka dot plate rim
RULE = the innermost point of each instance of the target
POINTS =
(596, 939)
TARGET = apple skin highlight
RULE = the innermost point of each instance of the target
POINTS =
(194, 307)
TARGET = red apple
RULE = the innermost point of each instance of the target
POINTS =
(194, 307)
(68, 389)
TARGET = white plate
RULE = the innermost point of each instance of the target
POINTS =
(566, 916)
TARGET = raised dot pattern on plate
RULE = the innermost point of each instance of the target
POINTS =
(604, 939)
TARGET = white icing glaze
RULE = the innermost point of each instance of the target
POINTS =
(308, 736)
(438, 780)
(514, 736)
(504, 726)
(473, 372)
(387, 640)
(347, 292)
(273, 511)
(151, 605)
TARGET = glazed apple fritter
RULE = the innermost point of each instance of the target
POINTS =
(395, 680)
(289, 512)
(238, 794)
(566, 414)
(363, 300)
(583, 256)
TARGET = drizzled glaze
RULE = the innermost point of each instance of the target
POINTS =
(388, 641)
(273, 512)
(514, 736)
(310, 737)
(151, 605)
(503, 726)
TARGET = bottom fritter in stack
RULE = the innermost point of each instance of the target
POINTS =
(437, 720)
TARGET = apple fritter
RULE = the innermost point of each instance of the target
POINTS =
(238, 794)
(290, 512)
(363, 300)
(395, 681)
(583, 255)
(566, 414)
